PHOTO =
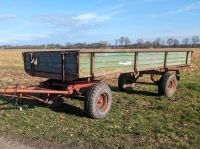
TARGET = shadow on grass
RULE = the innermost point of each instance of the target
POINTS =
(29, 104)
(26, 104)
(137, 92)
(70, 109)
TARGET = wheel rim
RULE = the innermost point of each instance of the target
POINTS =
(102, 102)
(172, 85)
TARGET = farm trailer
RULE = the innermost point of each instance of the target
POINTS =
(74, 72)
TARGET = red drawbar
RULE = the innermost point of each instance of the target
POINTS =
(66, 89)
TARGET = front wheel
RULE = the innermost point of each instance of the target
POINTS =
(98, 101)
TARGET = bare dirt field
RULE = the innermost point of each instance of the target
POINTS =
(139, 118)
(10, 143)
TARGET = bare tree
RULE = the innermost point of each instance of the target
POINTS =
(170, 42)
(121, 40)
(68, 43)
(176, 42)
(116, 42)
(127, 41)
(186, 41)
(104, 44)
(157, 43)
(195, 40)
(163, 43)
(140, 43)
(148, 44)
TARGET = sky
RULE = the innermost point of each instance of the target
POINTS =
(63, 21)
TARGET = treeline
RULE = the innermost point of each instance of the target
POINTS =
(102, 44)
(122, 42)
(125, 42)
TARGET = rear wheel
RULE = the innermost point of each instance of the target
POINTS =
(98, 101)
(167, 85)
(126, 81)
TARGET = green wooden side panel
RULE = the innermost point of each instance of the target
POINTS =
(124, 62)
(113, 62)
(106, 62)
(149, 60)
(176, 58)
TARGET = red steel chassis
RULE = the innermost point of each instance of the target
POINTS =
(49, 89)
(53, 88)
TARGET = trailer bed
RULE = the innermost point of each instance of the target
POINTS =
(69, 65)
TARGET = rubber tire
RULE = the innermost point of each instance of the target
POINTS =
(124, 79)
(164, 83)
(90, 104)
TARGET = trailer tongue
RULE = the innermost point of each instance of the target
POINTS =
(74, 72)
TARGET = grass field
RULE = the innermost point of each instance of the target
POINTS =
(139, 118)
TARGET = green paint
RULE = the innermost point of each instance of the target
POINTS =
(124, 62)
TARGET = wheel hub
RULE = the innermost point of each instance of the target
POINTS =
(172, 85)
(102, 102)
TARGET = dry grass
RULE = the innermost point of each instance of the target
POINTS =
(196, 53)
(11, 59)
